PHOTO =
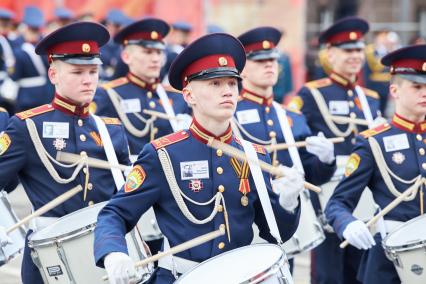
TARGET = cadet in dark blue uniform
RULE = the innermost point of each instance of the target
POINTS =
(63, 125)
(139, 90)
(206, 72)
(4, 118)
(388, 159)
(325, 103)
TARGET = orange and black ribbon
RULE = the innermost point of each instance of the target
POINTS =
(242, 170)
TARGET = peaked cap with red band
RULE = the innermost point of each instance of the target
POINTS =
(346, 33)
(260, 43)
(408, 62)
(148, 32)
(211, 56)
(76, 43)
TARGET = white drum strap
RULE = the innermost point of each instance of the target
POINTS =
(322, 106)
(288, 136)
(259, 182)
(8, 56)
(149, 124)
(387, 173)
(365, 106)
(167, 106)
(109, 151)
(36, 59)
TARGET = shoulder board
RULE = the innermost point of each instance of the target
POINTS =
(169, 88)
(111, 120)
(115, 83)
(3, 109)
(371, 93)
(34, 111)
(169, 139)
(376, 130)
(259, 148)
(324, 82)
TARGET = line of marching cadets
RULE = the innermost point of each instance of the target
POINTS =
(209, 162)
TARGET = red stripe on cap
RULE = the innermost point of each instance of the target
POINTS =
(415, 64)
(74, 47)
(344, 37)
(207, 62)
(262, 45)
(153, 35)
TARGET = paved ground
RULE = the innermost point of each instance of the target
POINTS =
(10, 273)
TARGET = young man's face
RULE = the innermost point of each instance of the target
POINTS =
(261, 73)
(212, 99)
(74, 82)
(410, 97)
(347, 62)
(144, 62)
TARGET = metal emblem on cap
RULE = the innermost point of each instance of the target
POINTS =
(353, 35)
(222, 61)
(85, 47)
(266, 44)
(424, 67)
(154, 35)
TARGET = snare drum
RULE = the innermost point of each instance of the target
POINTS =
(8, 219)
(261, 263)
(406, 247)
(63, 251)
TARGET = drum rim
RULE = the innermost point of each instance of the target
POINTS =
(404, 247)
(309, 247)
(259, 276)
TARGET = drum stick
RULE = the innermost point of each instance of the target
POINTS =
(284, 146)
(383, 212)
(345, 119)
(93, 162)
(179, 248)
(159, 114)
(52, 204)
(234, 152)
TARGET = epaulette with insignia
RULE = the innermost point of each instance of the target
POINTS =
(34, 111)
(324, 82)
(259, 148)
(371, 93)
(115, 83)
(111, 120)
(169, 139)
(3, 109)
(376, 130)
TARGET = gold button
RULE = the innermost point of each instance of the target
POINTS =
(91, 203)
(221, 245)
(219, 152)
(80, 122)
(219, 208)
(352, 114)
(89, 186)
(83, 137)
(267, 109)
(152, 104)
(419, 137)
(83, 153)
(351, 104)
(270, 122)
(219, 170)
(424, 166)
(221, 188)
(149, 95)
(421, 151)
(272, 134)
(350, 93)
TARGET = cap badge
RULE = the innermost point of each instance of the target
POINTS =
(424, 67)
(85, 47)
(352, 35)
(222, 61)
(266, 44)
(154, 35)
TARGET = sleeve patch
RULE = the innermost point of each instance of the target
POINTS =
(5, 142)
(135, 179)
(352, 164)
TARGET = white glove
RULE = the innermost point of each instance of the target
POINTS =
(358, 235)
(120, 268)
(378, 121)
(289, 187)
(321, 147)
(183, 121)
(4, 238)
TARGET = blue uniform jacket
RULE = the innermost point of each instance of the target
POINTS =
(147, 186)
(4, 119)
(132, 88)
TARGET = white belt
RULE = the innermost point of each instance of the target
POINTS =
(174, 263)
(32, 82)
(391, 225)
(39, 223)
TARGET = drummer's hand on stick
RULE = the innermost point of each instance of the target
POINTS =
(289, 188)
(120, 268)
(4, 238)
(358, 235)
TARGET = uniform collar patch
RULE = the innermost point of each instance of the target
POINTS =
(69, 107)
(141, 83)
(253, 97)
(407, 125)
(204, 135)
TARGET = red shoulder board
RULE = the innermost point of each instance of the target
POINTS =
(319, 83)
(376, 130)
(115, 83)
(169, 139)
(259, 148)
(34, 111)
(111, 120)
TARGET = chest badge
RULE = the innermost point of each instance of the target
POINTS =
(398, 158)
(59, 144)
(196, 185)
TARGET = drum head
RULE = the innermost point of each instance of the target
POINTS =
(235, 266)
(70, 223)
(407, 235)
